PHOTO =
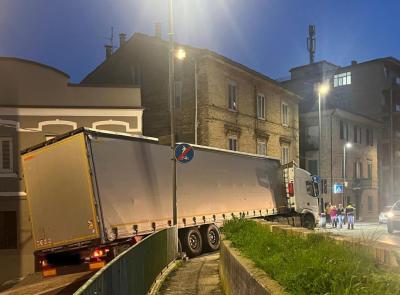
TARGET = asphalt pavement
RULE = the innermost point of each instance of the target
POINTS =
(367, 231)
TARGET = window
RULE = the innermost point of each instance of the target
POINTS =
(285, 154)
(232, 95)
(285, 114)
(232, 143)
(344, 130)
(312, 167)
(6, 156)
(369, 165)
(357, 170)
(312, 135)
(136, 75)
(261, 147)
(178, 94)
(357, 134)
(260, 106)
(8, 230)
(370, 204)
(369, 137)
(342, 79)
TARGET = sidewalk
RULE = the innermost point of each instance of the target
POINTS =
(196, 276)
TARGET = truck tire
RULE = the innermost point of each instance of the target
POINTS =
(390, 227)
(192, 242)
(308, 221)
(211, 237)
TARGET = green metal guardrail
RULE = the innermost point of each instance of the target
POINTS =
(135, 270)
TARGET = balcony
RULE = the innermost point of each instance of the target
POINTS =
(361, 183)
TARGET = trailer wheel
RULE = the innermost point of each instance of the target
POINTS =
(192, 242)
(308, 221)
(211, 237)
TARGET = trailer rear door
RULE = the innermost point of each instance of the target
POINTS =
(60, 193)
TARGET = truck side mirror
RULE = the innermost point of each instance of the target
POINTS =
(312, 188)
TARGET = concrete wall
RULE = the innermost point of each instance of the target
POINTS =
(240, 276)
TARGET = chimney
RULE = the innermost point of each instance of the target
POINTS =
(122, 39)
(158, 30)
(108, 51)
(353, 62)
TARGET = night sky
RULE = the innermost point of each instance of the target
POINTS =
(266, 35)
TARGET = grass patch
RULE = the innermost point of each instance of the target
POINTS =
(312, 265)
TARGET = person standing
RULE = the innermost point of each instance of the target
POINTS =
(333, 214)
(328, 212)
(340, 215)
(350, 211)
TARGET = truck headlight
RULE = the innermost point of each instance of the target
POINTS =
(389, 214)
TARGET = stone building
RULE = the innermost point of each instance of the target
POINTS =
(370, 88)
(36, 104)
(237, 107)
(359, 171)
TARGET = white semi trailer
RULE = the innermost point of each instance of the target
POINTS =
(92, 194)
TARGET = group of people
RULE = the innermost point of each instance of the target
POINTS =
(339, 216)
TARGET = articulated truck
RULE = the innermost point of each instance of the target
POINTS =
(92, 194)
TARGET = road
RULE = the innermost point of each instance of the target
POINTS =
(368, 231)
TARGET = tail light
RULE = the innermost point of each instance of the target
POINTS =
(99, 253)
(291, 188)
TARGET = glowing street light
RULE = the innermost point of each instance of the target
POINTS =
(180, 54)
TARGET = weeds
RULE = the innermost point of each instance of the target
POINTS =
(311, 266)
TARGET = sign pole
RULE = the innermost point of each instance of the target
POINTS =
(172, 110)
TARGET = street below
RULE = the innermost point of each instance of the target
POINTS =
(373, 232)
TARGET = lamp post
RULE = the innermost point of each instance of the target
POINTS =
(347, 145)
(171, 60)
(181, 55)
(323, 89)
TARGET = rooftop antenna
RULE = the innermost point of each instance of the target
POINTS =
(111, 39)
(311, 42)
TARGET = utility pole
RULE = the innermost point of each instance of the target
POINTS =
(311, 42)
(172, 109)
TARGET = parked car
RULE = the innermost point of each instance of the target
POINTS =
(382, 216)
(393, 215)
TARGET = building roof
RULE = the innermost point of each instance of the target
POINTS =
(200, 52)
(10, 58)
(314, 64)
(25, 83)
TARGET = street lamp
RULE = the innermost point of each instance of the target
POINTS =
(347, 145)
(171, 60)
(181, 55)
(323, 89)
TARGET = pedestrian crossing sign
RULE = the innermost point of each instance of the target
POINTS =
(338, 188)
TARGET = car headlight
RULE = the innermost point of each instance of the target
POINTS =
(389, 214)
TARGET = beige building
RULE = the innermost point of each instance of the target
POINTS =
(237, 108)
(360, 169)
(37, 102)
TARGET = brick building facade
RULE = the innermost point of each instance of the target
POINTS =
(238, 108)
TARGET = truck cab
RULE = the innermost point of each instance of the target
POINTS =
(302, 194)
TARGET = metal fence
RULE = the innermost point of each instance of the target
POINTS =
(135, 270)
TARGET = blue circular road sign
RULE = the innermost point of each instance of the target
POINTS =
(184, 153)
